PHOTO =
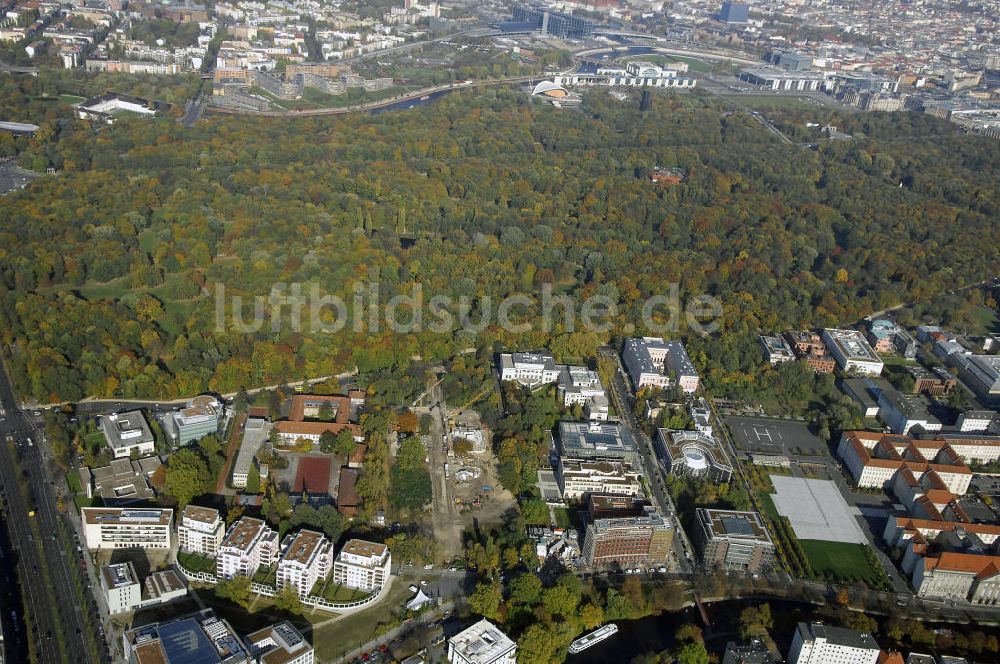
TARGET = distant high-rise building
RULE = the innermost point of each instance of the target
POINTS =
(734, 12)
(555, 24)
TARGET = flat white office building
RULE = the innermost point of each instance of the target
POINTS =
(362, 565)
(305, 559)
(127, 433)
(200, 530)
(121, 587)
(248, 545)
(529, 369)
(852, 351)
(819, 644)
(483, 643)
(123, 528)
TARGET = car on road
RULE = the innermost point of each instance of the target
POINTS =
(423, 582)
(429, 566)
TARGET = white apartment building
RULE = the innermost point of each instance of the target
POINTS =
(121, 587)
(200, 530)
(305, 559)
(529, 369)
(280, 644)
(362, 565)
(248, 545)
(852, 351)
(653, 362)
(578, 477)
(818, 644)
(123, 528)
(482, 643)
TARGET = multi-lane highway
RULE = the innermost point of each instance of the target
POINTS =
(43, 543)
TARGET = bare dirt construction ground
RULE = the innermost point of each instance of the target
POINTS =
(453, 510)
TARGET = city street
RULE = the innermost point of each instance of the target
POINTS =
(620, 397)
(42, 543)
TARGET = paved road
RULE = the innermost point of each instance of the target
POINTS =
(41, 541)
(683, 551)
(193, 110)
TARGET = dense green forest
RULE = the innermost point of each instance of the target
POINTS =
(108, 270)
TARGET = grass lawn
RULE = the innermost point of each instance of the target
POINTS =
(986, 319)
(694, 64)
(196, 563)
(770, 511)
(71, 99)
(564, 517)
(841, 559)
(341, 636)
(265, 575)
(338, 593)
(94, 440)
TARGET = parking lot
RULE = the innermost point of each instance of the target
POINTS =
(764, 435)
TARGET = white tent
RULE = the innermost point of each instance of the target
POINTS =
(419, 601)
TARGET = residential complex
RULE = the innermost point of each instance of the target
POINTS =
(597, 441)
(128, 434)
(124, 528)
(195, 421)
(819, 644)
(362, 565)
(627, 541)
(578, 478)
(280, 644)
(200, 530)
(733, 540)
(248, 546)
(852, 352)
(692, 453)
(482, 643)
(653, 362)
(305, 559)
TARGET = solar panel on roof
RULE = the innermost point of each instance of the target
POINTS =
(736, 525)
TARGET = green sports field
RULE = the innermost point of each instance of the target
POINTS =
(840, 560)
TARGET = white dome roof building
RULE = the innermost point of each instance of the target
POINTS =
(549, 89)
(692, 453)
